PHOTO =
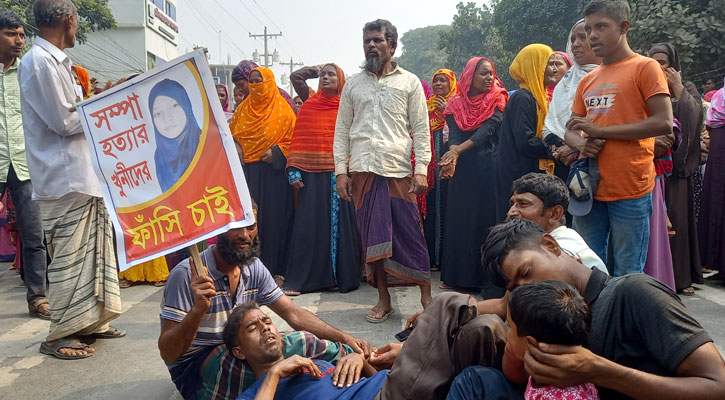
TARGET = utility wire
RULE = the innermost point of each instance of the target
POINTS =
(284, 37)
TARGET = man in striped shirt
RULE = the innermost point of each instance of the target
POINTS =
(195, 308)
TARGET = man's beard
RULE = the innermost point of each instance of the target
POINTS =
(237, 256)
(372, 64)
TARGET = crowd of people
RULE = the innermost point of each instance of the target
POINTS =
(579, 204)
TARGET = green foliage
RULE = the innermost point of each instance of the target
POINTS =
(522, 22)
(93, 15)
(469, 35)
(518, 23)
(421, 54)
(696, 28)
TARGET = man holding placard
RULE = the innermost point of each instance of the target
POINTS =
(195, 308)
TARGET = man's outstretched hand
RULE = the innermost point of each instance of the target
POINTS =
(359, 346)
(412, 319)
(384, 357)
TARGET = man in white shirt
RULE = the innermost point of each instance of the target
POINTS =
(543, 199)
(382, 118)
(82, 277)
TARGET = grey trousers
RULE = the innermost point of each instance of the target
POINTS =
(31, 235)
(448, 337)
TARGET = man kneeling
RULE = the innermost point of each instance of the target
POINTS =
(282, 373)
(195, 308)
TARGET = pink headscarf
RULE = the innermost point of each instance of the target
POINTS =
(716, 113)
(225, 106)
(471, 112)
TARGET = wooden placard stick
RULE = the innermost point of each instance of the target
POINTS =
(198, 264)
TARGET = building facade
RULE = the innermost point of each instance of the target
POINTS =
(146, 35)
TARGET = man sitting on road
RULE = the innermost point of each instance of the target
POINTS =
(643, 344)
(195, 308)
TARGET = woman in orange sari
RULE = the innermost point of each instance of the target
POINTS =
(263, 126)
(324, 251)
(444, 87)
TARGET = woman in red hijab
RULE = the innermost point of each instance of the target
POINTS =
(473, 116)
(323, 251)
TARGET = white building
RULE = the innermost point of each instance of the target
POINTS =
(146, 35)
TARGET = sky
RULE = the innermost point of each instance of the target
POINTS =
(313, 32)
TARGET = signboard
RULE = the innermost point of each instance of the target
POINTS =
(161, 24)
(166, 160)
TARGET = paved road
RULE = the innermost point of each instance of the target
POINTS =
(131, 368)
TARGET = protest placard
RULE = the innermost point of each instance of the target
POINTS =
(166, 160)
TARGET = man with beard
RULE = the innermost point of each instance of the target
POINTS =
(195, 308)
(382, 117)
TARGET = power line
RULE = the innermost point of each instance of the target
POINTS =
(202, 14)
(252, 13)
(230, 14)
(278, 28)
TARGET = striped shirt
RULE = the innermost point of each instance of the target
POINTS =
(255, 284)
(224, 376)
(12, 138)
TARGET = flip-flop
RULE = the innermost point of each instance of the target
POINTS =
(124, 284)
(380, 319)
(111, 333)
(290, 292)
(67, 343)
(445, 287)
(34, 311)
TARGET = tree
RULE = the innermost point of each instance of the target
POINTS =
(471, 34)
(695, 27)
(421, 54)
(94, 15)
(522, 22)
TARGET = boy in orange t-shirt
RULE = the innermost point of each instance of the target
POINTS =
(621, 106)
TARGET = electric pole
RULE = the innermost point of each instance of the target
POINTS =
(266, 55)
(292, 65)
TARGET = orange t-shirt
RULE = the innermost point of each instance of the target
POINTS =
(617, 94)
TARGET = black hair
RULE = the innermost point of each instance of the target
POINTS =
(231, 328)
(550, 189)
(505, 237)
(9, 19)
(551, 312)
(618, 10)
(383, 25)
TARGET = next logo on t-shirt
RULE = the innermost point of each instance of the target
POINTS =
(601, 100)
